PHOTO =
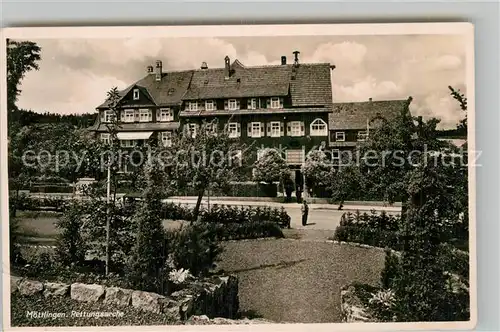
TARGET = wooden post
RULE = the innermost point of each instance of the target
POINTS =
(108, 194)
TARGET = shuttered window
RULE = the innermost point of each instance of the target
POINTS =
(234, 129)
(295, 128)
(255, 129)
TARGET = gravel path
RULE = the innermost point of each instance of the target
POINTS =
(297, 281)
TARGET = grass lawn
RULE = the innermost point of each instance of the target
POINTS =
(67, 312)
(40, 227)
(298, 281)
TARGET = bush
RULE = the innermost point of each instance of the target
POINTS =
(369, 236)
(249, 230)
(226, 214)
(194, 248)
(176, 212)
(391, 269)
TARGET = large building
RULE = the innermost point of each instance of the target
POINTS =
(287, 106)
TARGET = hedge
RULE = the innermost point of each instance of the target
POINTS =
(238, 189)
(225, 214)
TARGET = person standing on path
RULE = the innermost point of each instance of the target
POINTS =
(305, 212)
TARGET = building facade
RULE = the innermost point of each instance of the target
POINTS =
(287, 106)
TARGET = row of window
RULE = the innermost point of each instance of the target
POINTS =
(235, 104)
(274, 129)
(340, 136)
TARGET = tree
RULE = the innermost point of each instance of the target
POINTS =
(22, 57)
(270, 167)
(317, 170)
(421, 283)
(70, 246)
(462, 100)
(204, 158)
(149, 253)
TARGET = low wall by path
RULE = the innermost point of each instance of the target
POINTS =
(214, 297)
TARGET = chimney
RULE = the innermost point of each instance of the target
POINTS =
(296, 60)
(283, 60)
(204, 65)
(150, 69)
(227, 69)
(370, 99)
(158, 70)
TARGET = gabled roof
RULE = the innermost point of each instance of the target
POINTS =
(167, 92)
(356, 115)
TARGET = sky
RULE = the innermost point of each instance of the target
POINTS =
(75, 74)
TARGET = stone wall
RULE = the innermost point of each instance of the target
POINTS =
(213, 297)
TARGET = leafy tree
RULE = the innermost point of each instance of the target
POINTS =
(421, 284)
(462, 100)
(145, 269)
(204, 159)
(22, 57)
(71, 247)
(317, 169)
(270, 167)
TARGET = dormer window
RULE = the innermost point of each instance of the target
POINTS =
(252, 103)
(136, 94)
(275, 102)
(193, 106)
(233, 104)
(171, 91)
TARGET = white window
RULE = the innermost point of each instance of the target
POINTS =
(210, 105)
(166, 138)
(252, 104)
(319, 128)
(256, 129)
(192, 129)
(232, 128)
(136, 94)
(193, 106)
(127, 143)
(145, 115)
(166, 114)
(275, 129)
(340, 136)
(275, 102)
(362, 135)
(128, 116)
(109, 116)
(295, 128)
(211, 128)
(233, 104)
(335, 156)
(105, 138)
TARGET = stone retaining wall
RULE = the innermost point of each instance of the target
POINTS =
(213, 297)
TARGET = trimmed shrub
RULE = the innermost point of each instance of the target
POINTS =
(369, 236)
(227, 214)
